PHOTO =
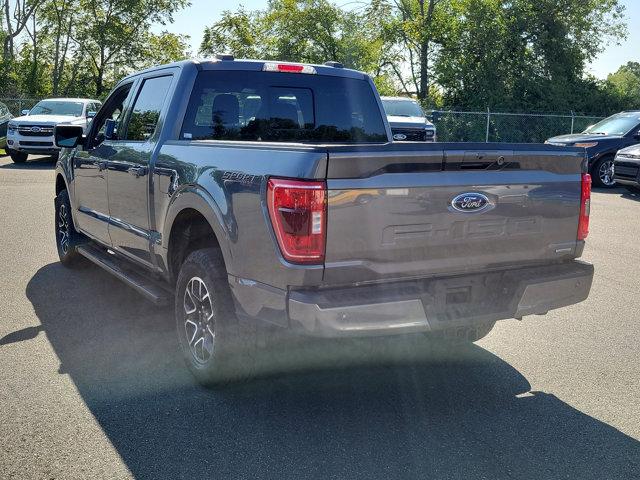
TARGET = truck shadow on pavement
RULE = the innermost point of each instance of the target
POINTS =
(433, 414)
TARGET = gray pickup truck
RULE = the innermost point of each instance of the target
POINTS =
(256, 193)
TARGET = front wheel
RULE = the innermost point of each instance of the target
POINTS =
(18, 157)
(214, 346)
(67, 237)
(602, 173)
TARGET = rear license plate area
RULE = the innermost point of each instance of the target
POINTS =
(467, 297)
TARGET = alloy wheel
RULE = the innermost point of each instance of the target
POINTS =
(199, 321)
(605, 173)
(63, 228)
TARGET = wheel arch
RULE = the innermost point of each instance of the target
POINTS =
(191, 217)
(61, 183)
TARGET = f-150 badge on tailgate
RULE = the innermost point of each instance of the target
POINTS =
(470, 202)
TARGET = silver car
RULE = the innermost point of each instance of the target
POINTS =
(407, 120)
(32, 133)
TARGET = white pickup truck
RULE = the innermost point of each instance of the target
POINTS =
(32, 133)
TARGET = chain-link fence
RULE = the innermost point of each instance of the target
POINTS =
(461, 126)
(17, 105)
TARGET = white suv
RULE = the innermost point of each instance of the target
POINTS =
(33, 132)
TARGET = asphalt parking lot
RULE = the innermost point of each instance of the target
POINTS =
(92, 386)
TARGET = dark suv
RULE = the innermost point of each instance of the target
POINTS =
(602, 141)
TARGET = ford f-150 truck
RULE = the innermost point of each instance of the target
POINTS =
(255, 193)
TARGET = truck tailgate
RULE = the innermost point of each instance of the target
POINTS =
(413, 210)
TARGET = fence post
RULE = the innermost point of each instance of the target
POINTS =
(486, 139)
(573, 115)
(19, 106)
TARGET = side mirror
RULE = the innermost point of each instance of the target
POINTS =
(25, 112)
(68, 136)
(91, 114)
(110, 129)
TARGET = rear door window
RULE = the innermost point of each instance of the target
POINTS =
(282, 107)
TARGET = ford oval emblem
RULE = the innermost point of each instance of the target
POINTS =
(399, 136)
(35, 129)
(470, 202)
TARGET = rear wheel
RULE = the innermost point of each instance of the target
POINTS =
(215, 347)
(18, 157)
(602, 173)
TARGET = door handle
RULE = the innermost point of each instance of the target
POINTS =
(138, 171)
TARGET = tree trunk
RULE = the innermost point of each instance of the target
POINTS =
(100, 81)
(7, 50)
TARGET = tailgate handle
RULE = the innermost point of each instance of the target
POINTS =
(482, 162)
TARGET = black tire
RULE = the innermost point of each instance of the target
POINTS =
(601, 173)
(18, 157)
(216, 347)
(67, 237)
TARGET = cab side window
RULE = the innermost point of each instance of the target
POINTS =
(146, 110)
(113, 110)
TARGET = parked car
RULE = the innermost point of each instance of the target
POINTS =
(246, 220)
(32, 133)
(602, 141)
(5, 116)
(407, 120)
(626, 168)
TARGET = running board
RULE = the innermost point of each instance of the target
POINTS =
(150, 288)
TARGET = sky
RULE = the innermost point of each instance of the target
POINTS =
(203, 13)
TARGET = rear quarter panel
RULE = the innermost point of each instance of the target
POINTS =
(226, 182)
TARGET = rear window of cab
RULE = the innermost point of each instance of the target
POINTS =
(282, 107)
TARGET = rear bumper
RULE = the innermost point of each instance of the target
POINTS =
(438, 303)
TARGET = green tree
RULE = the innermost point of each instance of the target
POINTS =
(163, 48)
(625, 85)
(312, 31)
(524, 54)
(113, 33)
(237, 32)
(81, 47)
(413, 31)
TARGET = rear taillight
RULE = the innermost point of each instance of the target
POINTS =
(585, 207)
(298, 212)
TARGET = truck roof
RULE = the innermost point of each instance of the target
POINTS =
(70, 99)
(227, 62)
